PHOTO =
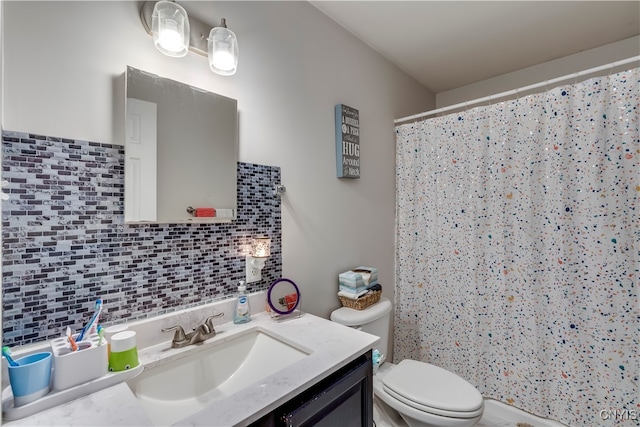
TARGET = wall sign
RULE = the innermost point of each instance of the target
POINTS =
(347, 142)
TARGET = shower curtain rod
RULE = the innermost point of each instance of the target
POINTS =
(521, 89)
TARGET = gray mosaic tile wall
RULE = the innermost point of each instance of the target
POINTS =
(64, 241)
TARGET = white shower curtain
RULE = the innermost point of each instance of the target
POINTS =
(517, 249)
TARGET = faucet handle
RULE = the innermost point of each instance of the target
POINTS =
(209, 323)
(179, 334)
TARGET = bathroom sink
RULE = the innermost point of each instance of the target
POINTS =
(176, 389)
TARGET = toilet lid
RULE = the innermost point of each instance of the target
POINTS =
(421, 384)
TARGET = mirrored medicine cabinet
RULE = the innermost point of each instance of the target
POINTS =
(181, 152)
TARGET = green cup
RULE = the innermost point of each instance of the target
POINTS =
(123, 360)
(124, 353)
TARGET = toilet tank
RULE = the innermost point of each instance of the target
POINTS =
(374, 320)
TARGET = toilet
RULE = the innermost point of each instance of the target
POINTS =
(423, 394)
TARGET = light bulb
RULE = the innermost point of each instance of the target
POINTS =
(223, 59)
(169, 38)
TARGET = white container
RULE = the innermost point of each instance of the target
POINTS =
(112, 330)
(71, 368)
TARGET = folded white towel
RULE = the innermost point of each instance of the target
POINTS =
(354, 292)
(352, 295)
(224, 213)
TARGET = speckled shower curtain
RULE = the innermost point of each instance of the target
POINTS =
(517, 249)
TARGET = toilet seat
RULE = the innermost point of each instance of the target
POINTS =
(429, 388)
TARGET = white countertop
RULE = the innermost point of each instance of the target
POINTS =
(331, 346)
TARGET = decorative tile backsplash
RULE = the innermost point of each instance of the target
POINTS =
(64, 241)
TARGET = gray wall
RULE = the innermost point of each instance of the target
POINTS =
(295, 66)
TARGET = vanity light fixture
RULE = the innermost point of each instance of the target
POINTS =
(170, 28)
(174, 34)
(223, 50)
(260, 251)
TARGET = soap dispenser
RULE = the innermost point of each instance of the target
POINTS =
(242, 313)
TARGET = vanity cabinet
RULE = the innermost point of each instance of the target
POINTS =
(345, 398)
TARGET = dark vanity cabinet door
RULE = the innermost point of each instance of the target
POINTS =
(343, 399)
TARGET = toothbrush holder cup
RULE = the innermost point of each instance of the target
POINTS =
(71, 368)
(31, 379)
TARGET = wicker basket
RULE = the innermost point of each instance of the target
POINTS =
(361, 303)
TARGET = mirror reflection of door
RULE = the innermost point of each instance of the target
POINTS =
(140, 187)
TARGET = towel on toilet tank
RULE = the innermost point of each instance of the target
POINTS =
(352, 295)
(355, 296)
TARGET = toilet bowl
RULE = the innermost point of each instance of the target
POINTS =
(426, 396)
(423, 394)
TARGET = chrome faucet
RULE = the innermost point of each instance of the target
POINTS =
(203, 332)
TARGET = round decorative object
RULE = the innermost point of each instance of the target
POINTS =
(283, 296)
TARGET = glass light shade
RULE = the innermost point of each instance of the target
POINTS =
(170, 28)
(261, 247)
(222, 50)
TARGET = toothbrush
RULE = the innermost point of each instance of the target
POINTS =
(93, 329)
(74, 346)
(100, 334)
(6, 352)
(92, 321)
